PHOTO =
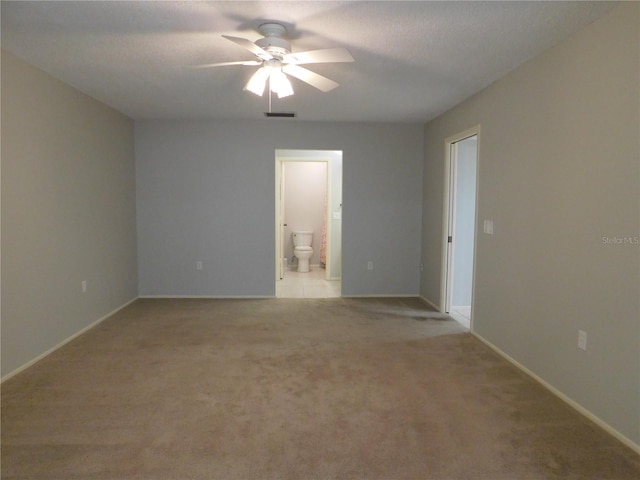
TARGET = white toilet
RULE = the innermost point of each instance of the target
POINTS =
(302, 249)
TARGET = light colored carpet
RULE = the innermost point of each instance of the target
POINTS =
(291, 389)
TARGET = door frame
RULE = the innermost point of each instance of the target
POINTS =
(279, 206)
(448, 220)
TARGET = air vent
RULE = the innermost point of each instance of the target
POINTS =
(280, 114)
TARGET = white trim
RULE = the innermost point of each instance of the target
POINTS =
(278, 220)
(220, 297)
(572, 403)
(305, 155)
(388, 295)
(64, 342)
(314, 265)
(430, 304)
(444, 287)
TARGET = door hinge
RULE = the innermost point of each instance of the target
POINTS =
(450, 239)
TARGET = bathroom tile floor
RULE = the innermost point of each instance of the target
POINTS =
(312, 284)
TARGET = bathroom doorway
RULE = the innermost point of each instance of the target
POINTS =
(308, 196)
(460, 225)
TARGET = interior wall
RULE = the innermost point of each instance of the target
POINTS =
(205, 192)
(304, 203)
(68, 212)
(559, 176)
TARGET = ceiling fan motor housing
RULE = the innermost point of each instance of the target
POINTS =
(273, 41)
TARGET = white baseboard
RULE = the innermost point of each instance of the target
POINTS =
(388, 295)
(65, 341)
(572, 403)
(430, 303)
(204, 297)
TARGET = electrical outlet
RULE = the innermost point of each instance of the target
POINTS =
(422, 267)
(488, 227)
(199, 265)
(83, 284)
(370, 265)
(582, 340)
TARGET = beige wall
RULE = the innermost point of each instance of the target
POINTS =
(68, 212)
(558, 171)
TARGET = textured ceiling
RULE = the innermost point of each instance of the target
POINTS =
(414, 60)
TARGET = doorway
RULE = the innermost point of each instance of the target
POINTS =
(461, 179)
(308, 196)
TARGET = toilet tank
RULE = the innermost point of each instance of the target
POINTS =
(302, 239)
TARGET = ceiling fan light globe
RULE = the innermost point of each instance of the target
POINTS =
(280, 84)
(285, 92)
(258, 81)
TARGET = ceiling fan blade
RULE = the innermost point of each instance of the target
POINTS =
(249, 45)
(250, 63)
(312, 78)
(328, 55)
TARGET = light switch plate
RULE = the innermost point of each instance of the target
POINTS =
(582, 340)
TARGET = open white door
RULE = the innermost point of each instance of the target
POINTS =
(459, 229)
(451, 226)
(280, 220)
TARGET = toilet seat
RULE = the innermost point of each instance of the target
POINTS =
(303, 249)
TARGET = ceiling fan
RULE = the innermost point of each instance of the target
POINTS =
(276, 61)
